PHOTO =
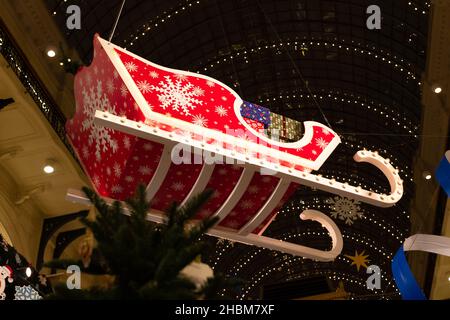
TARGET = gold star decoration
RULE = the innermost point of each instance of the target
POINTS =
(359, 259)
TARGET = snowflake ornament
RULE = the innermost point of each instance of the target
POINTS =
(247, 204)
(116, 189)
(345, 209)
(100, 136)
(321, 143)
(144, 170)
(131, 67)
(221, 111)
(177, 186)
(180, 77)
(26, 293)
(110, 86)
(199, 120)
(123, 90)
(144, 86)
(177, 95)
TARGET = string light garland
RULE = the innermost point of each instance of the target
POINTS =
(159, 20)
(337, 95)
(384, 57)
(289, 261)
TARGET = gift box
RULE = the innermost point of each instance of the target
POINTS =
(255, 112)
(287, 129)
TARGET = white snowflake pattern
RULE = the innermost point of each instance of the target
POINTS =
(89, 79)
(110, 86)
(176, 95)
(247, 204)
(129, 179)
(144, 170)
(321, 143)
(116, 189)
(144, 86)
(85, 152)
(180, 77)
(199, 120)
(177, 186)
(148, 146)
(209, 83)
(117, 169)
(131, 67)
(233, 224)
(266, 179)
(26, 293)
(153, 74)
(98, 135)
(123, 90)
(96, 181)
(224, 98)
(233, 214)
(127, 143)
(221, 111)
(198, 91)
(325, 131)
(115, 74)
(253, 189)
(215, 195)
(345, 209)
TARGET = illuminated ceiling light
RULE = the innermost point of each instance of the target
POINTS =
(427, 175)
(437, 90)
(51, 53)
(28, 272)
(49, 167)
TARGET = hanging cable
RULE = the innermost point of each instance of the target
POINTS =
(229, 48)
(295, 65)
(117, 21)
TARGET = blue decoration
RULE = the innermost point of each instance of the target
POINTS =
(404, 278)
(443, 173)
(256, 112)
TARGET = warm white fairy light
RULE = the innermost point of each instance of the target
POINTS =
(288, 261)
(353, 99)
(392, 61)
(159, 20)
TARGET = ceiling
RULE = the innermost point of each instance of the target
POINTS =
(27, 142)
(308, 60)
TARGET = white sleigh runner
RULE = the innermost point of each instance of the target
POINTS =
(135, 119)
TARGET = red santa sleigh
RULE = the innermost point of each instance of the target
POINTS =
(134, 120)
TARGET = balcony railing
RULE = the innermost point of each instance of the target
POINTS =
(30, 80)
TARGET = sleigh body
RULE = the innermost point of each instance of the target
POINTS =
(179, 133)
